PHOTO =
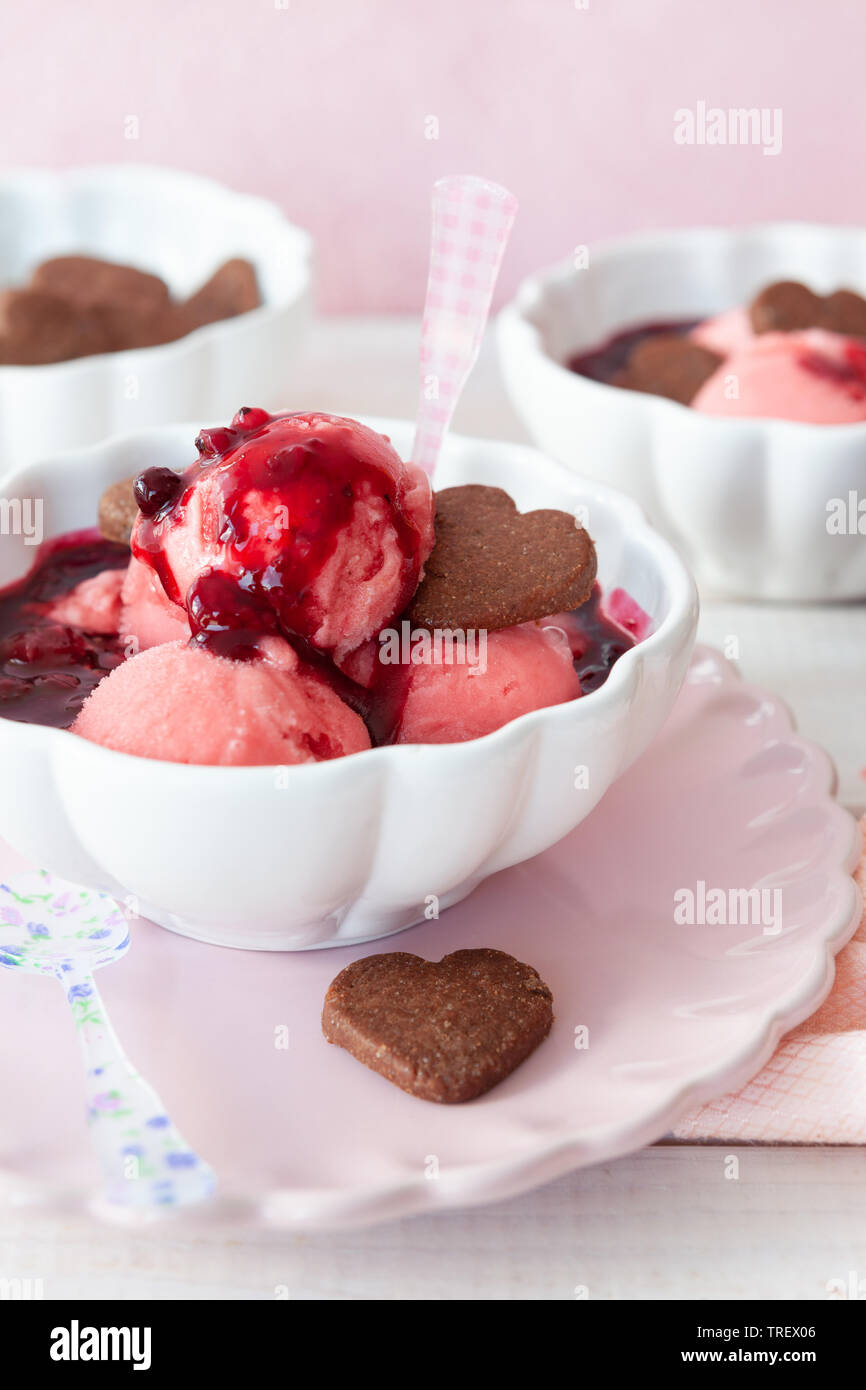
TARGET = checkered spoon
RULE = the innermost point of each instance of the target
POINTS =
(49, 927)
(472, 220)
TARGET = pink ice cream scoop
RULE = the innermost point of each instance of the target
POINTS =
(527, 668)
(148, 617)
(812, 376)
(185, 704)
(310, 525)
(130, 603)
(726, 332)
(94, 605)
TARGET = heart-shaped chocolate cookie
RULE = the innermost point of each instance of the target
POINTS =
(37, 328)
(668, 364)
(233, 289)
(788, 306)
(445, 1031)
(493, 566)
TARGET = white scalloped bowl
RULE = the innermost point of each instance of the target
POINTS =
(356, 848)
(181, 227)
(745, 501)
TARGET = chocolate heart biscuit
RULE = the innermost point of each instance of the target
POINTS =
(134, 304)
(76, 306)
(444, 1031)
(668, 364)
(493, 566)
(845, 312)
(118, 511)
(37, 328)
(231, 290)
(88, 280)
(788, 307)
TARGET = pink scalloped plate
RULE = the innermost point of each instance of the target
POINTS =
(302, 1136)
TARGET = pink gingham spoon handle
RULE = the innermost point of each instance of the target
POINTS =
(472, 220)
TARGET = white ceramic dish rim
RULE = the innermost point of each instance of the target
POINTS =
(679, 587)
(484, 1182)
(116, 175)
(533, 289)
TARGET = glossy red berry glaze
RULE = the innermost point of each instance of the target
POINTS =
(304, 484)
(47, 670)
(847, 372)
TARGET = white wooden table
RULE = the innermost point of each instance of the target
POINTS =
(662, 1224)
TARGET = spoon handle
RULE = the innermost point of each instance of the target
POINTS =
(145, 1162)
(472, 219)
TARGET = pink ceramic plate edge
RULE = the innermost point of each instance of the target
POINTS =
(575, 1145)
(491, 1183)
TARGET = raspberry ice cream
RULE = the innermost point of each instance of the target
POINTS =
(180, 703)
(725, 333)
(94, 605)
(812, 376)
(147, 614)
(527, 668)
(310, 525)
(128, 603)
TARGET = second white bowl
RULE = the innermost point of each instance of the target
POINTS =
(181, 227)
(356, 848)
(748, 502)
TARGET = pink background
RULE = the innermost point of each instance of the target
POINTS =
(321, 105)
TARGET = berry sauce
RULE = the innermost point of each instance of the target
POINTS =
(47, 670)
(604, 363)
(606, 640)
(847, 372)
(277, 497)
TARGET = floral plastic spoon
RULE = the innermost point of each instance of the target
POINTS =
(50, 927)
(472, 220)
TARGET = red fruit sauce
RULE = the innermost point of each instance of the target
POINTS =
(848, 373)
(47, 670)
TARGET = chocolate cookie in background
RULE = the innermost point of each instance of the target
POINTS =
(784, 308)
(231, 290)
(133, 305)
(788, 306)
(77, 306)
(670, 365)
(445, 1031)
(37, 328)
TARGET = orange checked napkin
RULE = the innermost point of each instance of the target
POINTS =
(813, 1089)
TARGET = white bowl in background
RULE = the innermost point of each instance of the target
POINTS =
(352, 849)
(181, 227)
(746, 501)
